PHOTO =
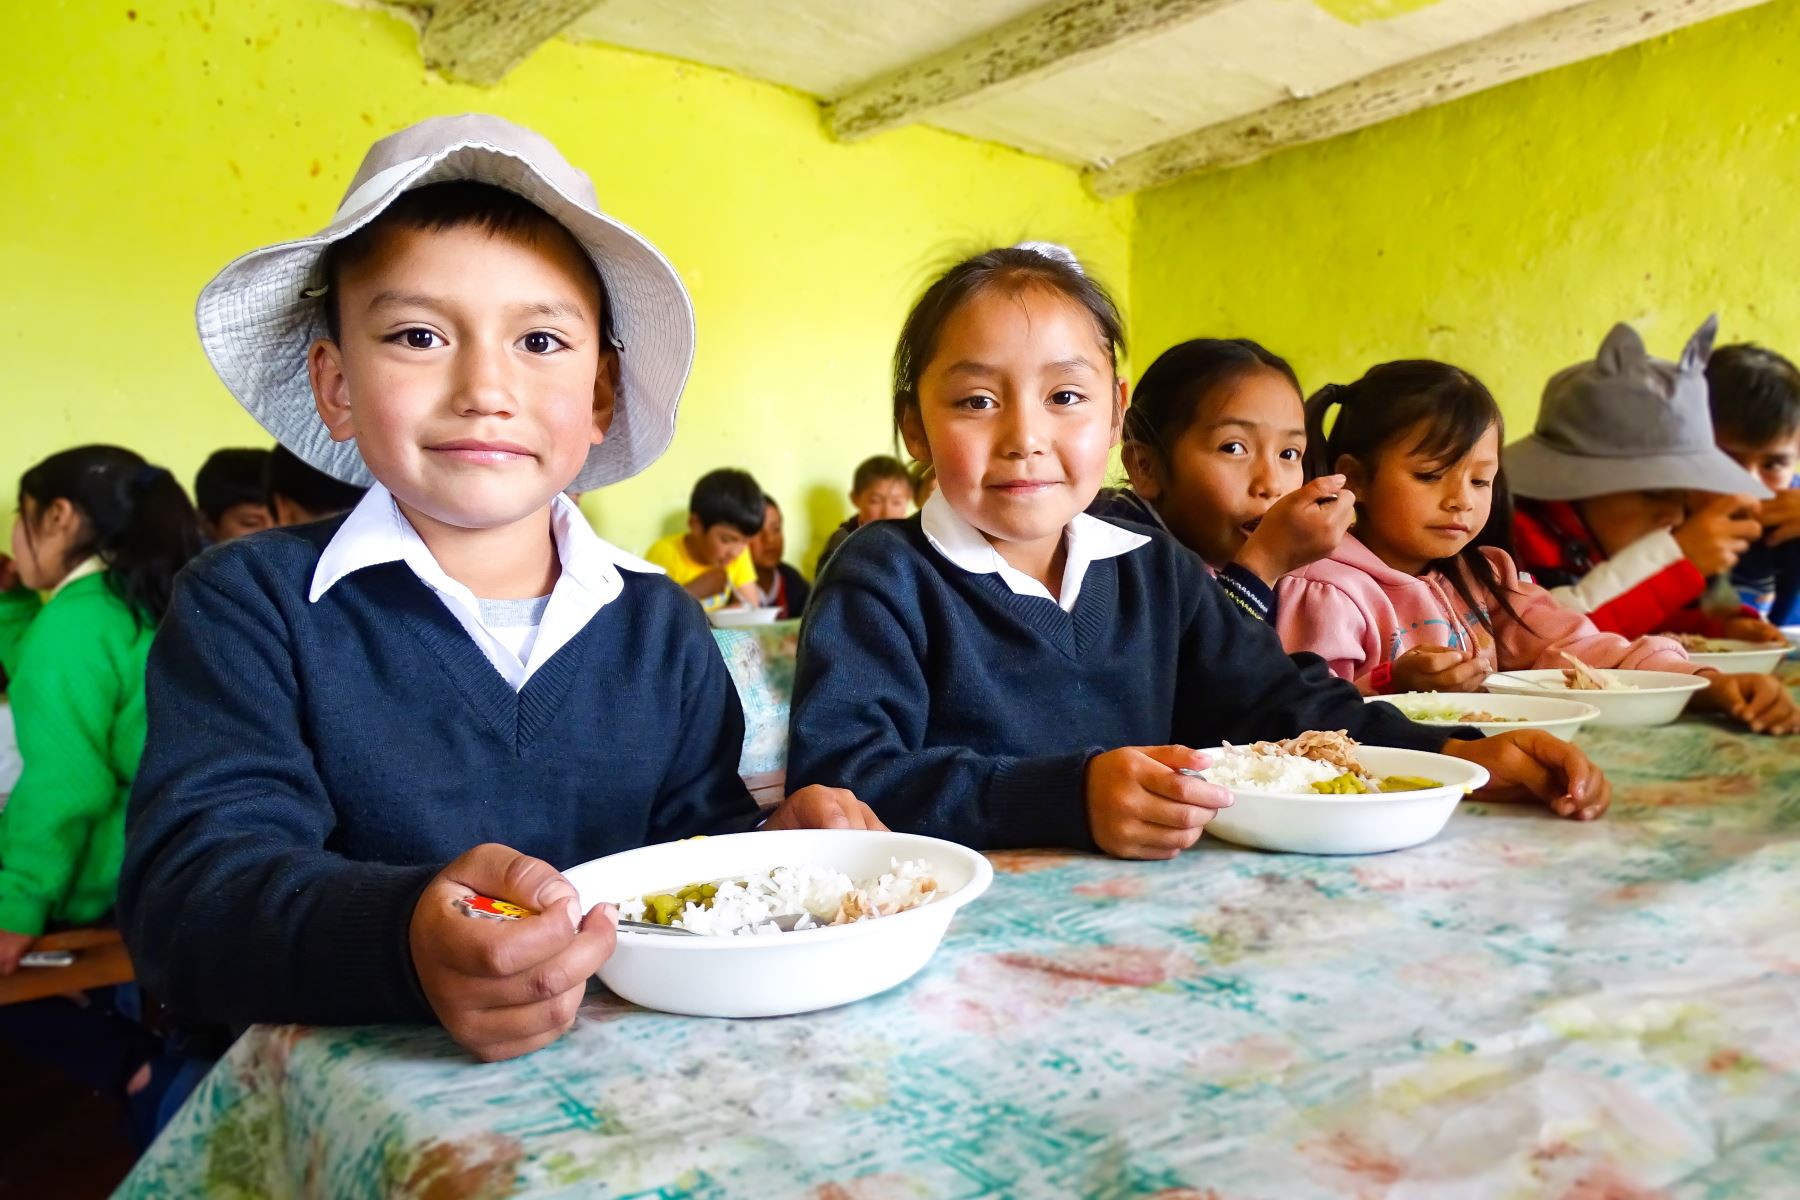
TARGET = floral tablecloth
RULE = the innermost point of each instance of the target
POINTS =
(1525, 1007)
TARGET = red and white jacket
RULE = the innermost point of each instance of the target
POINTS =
(1648, 587)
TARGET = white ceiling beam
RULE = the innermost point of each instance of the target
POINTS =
(1585, 31)
(1048, 39)
(479, 41)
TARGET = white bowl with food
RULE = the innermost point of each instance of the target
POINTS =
(1625, 699)
(741, 618)
(1494, 713)
(893, 894)
(1792, 634)
(1276, 804)
(1732, 656)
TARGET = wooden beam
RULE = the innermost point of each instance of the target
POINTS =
(479, 41)
(1585, 31)
(1048, 39)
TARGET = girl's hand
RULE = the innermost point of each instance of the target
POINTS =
(1751, 629)
(818, 807)
(1140, 806)
(9, 574)
(505, 988)
(1300, 528)
(1758, 702)
(12, 948)
(1532, 765)
(1438, 669)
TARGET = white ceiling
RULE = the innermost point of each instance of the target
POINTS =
(1135, 92)
(1233, 61)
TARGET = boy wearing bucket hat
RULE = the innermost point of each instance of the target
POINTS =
(356, 724)
(1626, 506)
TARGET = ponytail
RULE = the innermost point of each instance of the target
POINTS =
(1446, 410)
(135, 518)
(1319, 458)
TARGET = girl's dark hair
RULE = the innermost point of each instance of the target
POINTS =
(1014, 268)
(135, 517)
(1452, 409)
(1168, 395)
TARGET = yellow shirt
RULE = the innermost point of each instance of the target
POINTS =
(671, 554)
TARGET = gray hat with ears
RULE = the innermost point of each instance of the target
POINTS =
(1627, 422)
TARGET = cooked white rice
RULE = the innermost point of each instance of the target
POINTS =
(1265, 771)
(819, 895)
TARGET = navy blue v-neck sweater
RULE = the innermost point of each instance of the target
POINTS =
(956, 708)
(310, 767)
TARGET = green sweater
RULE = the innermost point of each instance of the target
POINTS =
(17, 607)
(78, 708)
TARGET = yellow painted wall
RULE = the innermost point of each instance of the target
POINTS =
(1508, 231)
(147, 143)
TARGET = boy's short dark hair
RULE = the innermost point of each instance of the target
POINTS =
(731, 497)
(229, 478)
(1754, 394)
(306, 485)
(441, 206)
(879, 469)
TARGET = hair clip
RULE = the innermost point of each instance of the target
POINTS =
(1055, 253)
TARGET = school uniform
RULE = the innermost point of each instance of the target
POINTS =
(958, 698)
(332, 719)
(1242, 586)
(789, 593)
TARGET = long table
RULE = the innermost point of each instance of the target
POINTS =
(1523, 1007)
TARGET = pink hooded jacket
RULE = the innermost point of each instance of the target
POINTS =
(1358, 614)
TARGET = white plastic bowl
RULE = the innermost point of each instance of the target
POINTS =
(1792, 634)
(1552, 714)
(1751, 658)
(738, 618)
(1659, 698)
(1366, 824)
(771, 975)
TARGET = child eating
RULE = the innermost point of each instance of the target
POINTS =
(782, 586)
(710, 559)
(356, 725)
(1424, 596)
(1627, 505)
(1755, 399)
(1215, 444)
(1003, 669)
(231, 492)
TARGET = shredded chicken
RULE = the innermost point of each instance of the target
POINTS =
(1580, 677)
(1337, 748)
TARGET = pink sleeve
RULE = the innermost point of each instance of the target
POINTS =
(1545, 629)
(1322, 619)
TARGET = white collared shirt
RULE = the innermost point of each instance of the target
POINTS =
(91, 565)
(376, 532)
(1086, 540)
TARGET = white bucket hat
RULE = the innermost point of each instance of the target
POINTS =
(259, 315)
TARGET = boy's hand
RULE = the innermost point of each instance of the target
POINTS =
(1780, 517)
(819, 807)
(505, 988)
(707, 584)
(1718, 533)
(1750, 629)
(1758, 702)
(1530, 764)
(1300, 528)
(1438, 669)
(12, 948)
(1140, 806)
